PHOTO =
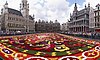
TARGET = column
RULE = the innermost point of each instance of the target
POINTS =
(83, 28)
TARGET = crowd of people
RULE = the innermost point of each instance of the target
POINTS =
(92, 35)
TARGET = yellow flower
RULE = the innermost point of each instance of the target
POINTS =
(80, 57)
(9, 45)
(80, 49)
(25, 50)
(24, 54)
(49, 42)
(38, 53)
(6, 40)
(68, 52)
(2, 40)
(89, 47)
(53, 53)
(53, 58)
(64, 48)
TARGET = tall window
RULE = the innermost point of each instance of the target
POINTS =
(95, 24)
(98, 8)
(99, 19)
(99, 13)
(96, 13)
(95, 19)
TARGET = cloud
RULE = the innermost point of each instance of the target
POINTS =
(11, 3)
(49, 9)
(46, 9)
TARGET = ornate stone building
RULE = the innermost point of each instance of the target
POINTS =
(45, 26)
(14, 20)
(64, 27)
(79, 20)
(97, 18)
(91, 20)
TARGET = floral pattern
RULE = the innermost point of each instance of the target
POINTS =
(48, 45)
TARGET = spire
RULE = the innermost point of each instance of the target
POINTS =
(75, 4)
(33, 15)
(20, 7)
(75, 8)
(56, 21)
(24, 8)
(28, 5)
(88, 4)
(85, 5)
(39, 21)
(70, 14)
(6, 3)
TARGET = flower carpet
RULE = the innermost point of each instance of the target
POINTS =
(48, 46)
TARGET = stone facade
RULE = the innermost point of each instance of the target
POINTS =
(97, 18)
(14, 20)
(79, 20)
(91, 20)
(0, 22)
(45, 26)
(64, 27)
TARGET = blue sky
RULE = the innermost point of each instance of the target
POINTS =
(80, 2)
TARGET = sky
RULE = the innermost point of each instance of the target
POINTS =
(51, 9)
(80, 2)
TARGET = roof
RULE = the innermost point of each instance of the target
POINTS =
(97, 5)
(82, 11)
(30, 17)
(13, 11)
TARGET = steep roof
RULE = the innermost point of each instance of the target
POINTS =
(13, 11)
(30, 17)
(97, 5)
